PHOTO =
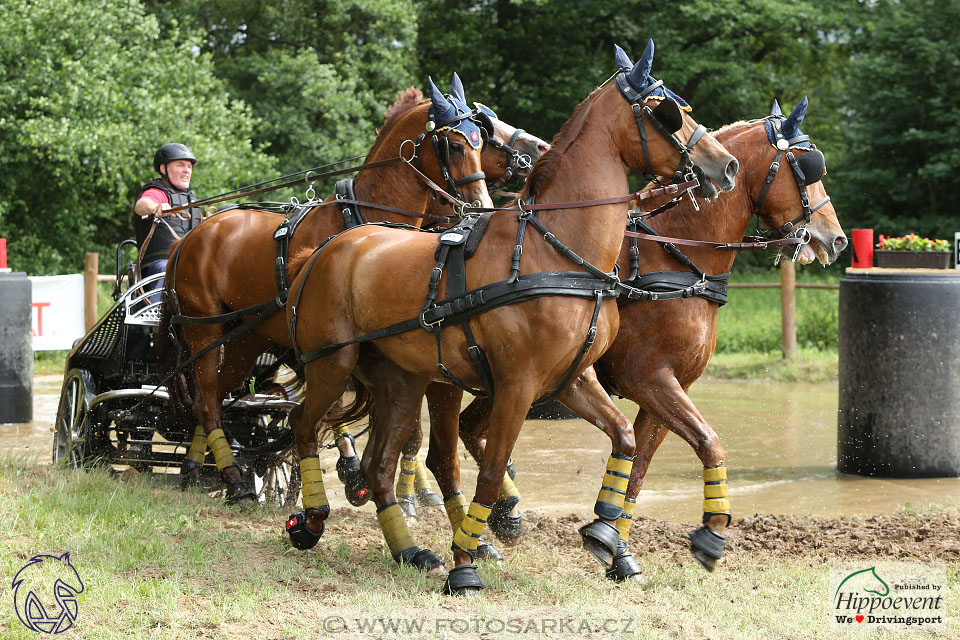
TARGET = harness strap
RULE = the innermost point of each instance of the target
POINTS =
(674, 285)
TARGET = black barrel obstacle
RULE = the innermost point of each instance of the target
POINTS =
(899, 409)
(16, 348)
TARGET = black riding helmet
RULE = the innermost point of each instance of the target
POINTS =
(170, 152)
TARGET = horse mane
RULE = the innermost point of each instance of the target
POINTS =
(546, 167)
(405, 101)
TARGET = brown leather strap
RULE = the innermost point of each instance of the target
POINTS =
(750, 243)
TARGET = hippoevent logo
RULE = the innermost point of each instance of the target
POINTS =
(45, 593)
(895, 595)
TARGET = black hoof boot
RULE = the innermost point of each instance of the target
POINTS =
(506, 527)
(347, 466)
(240, 493)
(511, 469)
(355, 488)
(408, 505)
(422, 559)
(706, 545)
(427, 498)
(301, 537)
(190, 474)
(600, 539)
(487, 552)
(463, 581)
(624, 566)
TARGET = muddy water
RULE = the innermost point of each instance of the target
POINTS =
(781, 453)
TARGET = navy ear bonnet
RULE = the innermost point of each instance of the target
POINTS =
(485, 116)
(637, 83)
(450, 111)
(790, 126)
(811, 163)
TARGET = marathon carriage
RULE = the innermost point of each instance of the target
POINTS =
(115, 410)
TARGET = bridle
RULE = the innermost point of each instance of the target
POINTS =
(663, 121)
(516, 161)
(441, 146)
(807, 169)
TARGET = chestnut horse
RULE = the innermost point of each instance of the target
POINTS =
(664, 346)
(228, 263)
(370, 278)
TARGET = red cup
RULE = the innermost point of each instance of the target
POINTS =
(3, 253)
(862, 248)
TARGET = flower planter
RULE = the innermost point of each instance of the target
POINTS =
(912, 259)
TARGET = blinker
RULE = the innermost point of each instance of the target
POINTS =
(668, 114)
(813, 165)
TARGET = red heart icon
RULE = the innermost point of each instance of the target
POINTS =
(859, 618)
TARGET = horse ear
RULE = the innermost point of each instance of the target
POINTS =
(440, 101)
(621, 58)
(793, 122)
(456, 88)
(641, 71)
(775, 109)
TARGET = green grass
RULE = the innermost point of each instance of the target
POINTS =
(809, 365)
(159, 563)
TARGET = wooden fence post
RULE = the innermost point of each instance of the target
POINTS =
(90, 268)
(788, 308)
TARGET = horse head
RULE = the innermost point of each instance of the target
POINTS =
(796, 201)
(457, 141)
(513, 150)
(694, 149)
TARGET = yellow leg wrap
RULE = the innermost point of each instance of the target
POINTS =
(339, 431)
(456, 506)
(610, 499)
(626, 519)
(198, 447)
(221, 449)
(715, 492)
(468, 534)
(395, 529)
(421, 481)
(408, 473)
(314, 493)
(508, 489)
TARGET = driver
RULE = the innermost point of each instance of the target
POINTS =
(156, 230)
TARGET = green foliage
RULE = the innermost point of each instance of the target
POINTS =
(903, 167)
(88, 91)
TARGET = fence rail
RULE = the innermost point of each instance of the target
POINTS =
(788, 299)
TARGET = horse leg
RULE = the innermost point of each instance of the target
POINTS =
(425, 495)
(398, 396)
(504, 521)
(406, 480)
(510, 407)
(668, 403)
(443, 402)
(601, 538)
(348, 465)
(326, 380)
(206, 408)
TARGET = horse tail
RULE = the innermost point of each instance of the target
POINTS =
(170, 352)
(297, 261)
(360, 407)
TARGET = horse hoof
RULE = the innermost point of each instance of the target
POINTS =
(624, 567)
(190, 481)
(508, 528)
(706, 545)
(423, 559)
(355, 489)
(463, 581)
(300, 536)
(347, 466)
(600, 539)
(427, 498)
(408, 507)
(488, 553)
(240, 494)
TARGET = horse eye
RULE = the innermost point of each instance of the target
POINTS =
(456, 147)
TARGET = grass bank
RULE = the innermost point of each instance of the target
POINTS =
(159, 563)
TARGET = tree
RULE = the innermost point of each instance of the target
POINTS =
(903, 165)
(88, 91)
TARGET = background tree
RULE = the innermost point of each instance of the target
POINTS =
(88, 91)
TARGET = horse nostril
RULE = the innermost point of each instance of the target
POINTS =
(732, 168)
(840, 243)
(543, 147)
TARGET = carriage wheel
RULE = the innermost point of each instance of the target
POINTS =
(277, 482)
(71, 441)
